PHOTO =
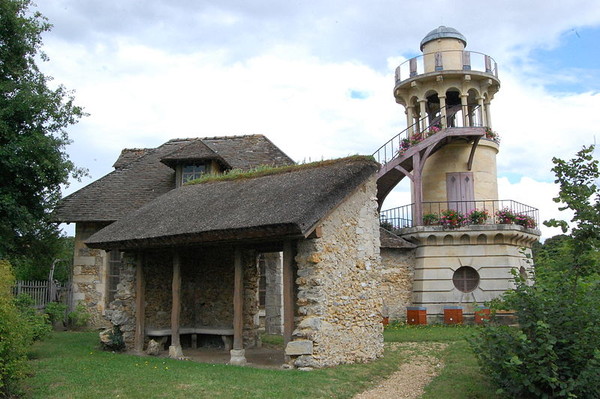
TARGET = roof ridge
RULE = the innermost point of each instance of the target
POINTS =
(215, 137)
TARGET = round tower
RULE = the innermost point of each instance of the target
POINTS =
(447, 87)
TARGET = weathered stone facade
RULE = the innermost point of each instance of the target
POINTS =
(273, 293)
(206, 291)
(89, 274)
(397, 275)
(121, 312)
(338, 298)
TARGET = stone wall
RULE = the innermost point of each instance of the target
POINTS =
(121, 311)
(206, 290)
(273, 298)
(398, 269)
(89, 274)
(339, 302)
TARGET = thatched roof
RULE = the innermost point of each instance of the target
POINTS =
(195, 150)
(391, 240)
(129, 155)
(140, 177)
(273, 206)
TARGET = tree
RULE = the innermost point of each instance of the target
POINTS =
(578, 192)
(33, 137)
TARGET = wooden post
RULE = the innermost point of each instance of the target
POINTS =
(140, 310)
(238, 353)
(238, 304)
(288, 291)
(175, 351)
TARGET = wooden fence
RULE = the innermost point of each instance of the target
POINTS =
(43, 292)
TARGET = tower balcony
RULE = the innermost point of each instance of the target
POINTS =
(446, 62)
(472, 214)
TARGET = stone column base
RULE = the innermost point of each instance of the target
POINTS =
(238, 357)
(175, 352)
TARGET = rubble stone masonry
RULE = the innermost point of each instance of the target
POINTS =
(339, 302)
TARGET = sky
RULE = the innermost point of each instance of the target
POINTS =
(316, 77)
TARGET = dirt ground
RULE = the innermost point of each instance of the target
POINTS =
(412, 377)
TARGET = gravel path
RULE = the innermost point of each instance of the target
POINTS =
(412, 376)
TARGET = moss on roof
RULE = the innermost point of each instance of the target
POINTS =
(267, 170)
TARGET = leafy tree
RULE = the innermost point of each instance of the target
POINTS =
(33, 122)
(578, 192)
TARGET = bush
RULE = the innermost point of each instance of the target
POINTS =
(37, 321)
(79, 317)
(555, 350)
(56, 312)
(15, 336)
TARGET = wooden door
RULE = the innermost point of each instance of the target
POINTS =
(460, 191)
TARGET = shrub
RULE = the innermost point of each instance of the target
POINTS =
(37, 321)
(56, 312)
(555, 350)
(15, 336)
(79, 317)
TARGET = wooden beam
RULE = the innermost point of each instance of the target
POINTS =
(472, 154)
(405, 172)
(140, 309)
(175, 348)
(288, 290)
(238, 300)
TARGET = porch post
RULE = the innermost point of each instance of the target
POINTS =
(140, 287)
(175, 351)
(238, 354)
(288, 291)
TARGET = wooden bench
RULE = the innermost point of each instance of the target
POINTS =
(225, 333)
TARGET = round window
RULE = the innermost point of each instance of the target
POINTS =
(466, 279)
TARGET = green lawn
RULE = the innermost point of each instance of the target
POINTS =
(69, 365)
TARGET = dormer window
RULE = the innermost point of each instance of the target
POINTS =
(192, 172)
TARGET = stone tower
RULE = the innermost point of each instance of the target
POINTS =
(468, 240)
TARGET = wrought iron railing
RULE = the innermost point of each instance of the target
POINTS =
(436, 213)
(424, 127)
(450, 60)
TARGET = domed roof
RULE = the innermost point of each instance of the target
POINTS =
(441, 33)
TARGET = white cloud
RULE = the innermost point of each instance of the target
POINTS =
(151, 71)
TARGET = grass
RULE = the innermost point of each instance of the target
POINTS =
(461, 377)
(69, 365)
(265, 170)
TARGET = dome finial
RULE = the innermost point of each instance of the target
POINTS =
(443, 32)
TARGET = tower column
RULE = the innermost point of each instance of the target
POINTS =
(482, 111)
(423, 113)
(443, 111)
(488, 114)
(465, 109)
(410, 119)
